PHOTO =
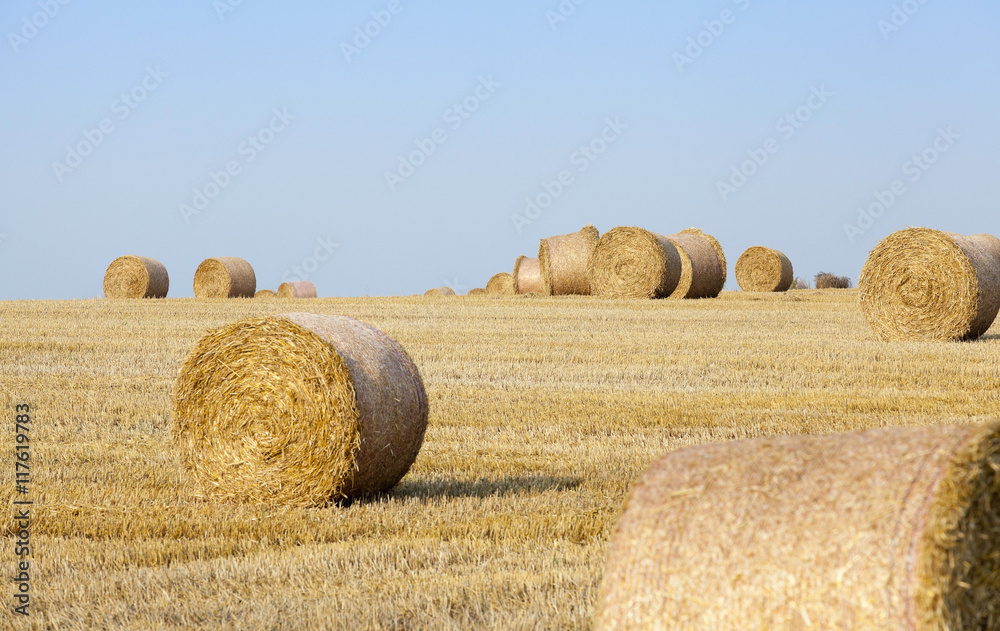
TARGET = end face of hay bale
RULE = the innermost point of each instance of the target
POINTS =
(764, 269)
(136, 277)
(298, 409)
(527, 276)
(297, 289)
(440, 291)
(923, 285)
(703, 265)
(630, 262)
(225, 277)
(501, 284)
(265, 293)
(885, 529)
(563, 262)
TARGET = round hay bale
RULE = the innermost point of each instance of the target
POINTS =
(136, 277)
(501, 284)
(527, 276)
(297, 289)
(764, 269)
(478, 291)
(224, 277)
(923, 284)
(265, 293)
(440, 291)
(298, 409)
(563, 260)
(630, 262)
(990, 243)
(885, 529)
(703, 265)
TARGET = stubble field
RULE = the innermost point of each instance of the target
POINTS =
(543, 413)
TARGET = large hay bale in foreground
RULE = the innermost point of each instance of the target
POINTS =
(298, 409)
(501, 284)
(136, 277)
(826, 280)
(703, 265)
(764, 269)
(630, 262)
(297, 289)
(266, 293)
(886, 529)
(527, 276)
(225, 277)
(440, 291)
(563, 262)
(923, 284)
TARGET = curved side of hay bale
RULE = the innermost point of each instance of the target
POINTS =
(297, 289)
(501, 284)
(527, 276)
(477, 291)
(563, 262)
(631, 262)
(703, 265)
(136, 277)
(885, 529)
(923, 284)
(764, 269)
(225, 277)
(298, 409)
(265, 293)
(440, 291)
(990, 243)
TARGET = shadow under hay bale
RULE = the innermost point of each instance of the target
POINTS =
(886, 529)
(764, 269)
(527, 276)
(297, 289)
(563, 262)
(440, 291)
(703, 265)
(630, 262)
(298, 409)
(225, 277)
(922, 284)
(501, 284)
(136, 277)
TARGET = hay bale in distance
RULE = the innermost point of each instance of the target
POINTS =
(923, 284)
(563, 260)
(885, 529)
(527, 276)
(225, 277)
(764, 269)
(298, 409)
(297, 289)
(630, 262)
(703, 265)
(440, 291)
(478, 291)
(265, 293)
(501, 284)
(826, 280)
(136, 277)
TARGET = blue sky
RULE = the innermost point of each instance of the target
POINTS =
(678, 105)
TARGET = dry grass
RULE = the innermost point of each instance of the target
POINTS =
(542, 415)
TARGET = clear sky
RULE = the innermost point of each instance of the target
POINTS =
(386, 147)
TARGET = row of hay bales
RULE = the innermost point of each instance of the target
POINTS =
(221, 277)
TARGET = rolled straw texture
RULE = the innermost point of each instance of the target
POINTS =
(920, 284)
(136, 277)
(703, 265)
(440, 291)
(889, 529)
(224, 277)
(630, 262)
(298, 409)
(501, 284)
(563, 260)
(478, 291)
(265, 293)
(764, 269)
(297, 289)
(527, 276)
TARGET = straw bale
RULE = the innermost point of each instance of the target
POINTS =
(501, 284)
(527, 276)
(764, 269)
(297, 289)
(440, 291)
(224, 277)
(562, 261)
(703, 265)
(631, 262)
(136, 277)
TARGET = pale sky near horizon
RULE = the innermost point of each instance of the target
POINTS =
(387, 147)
